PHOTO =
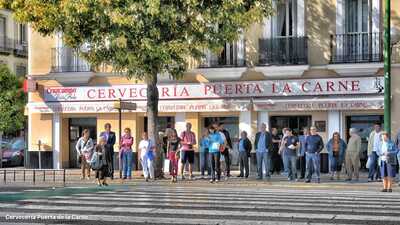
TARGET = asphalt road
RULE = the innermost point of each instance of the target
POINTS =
(198, 202)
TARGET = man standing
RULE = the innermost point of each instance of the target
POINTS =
(313, 146)
(276, 160)
(291, 145)
(397, 143)
(353, 155)
(374, 145)
(302, 152)
(263, 144)
(110, 138)
(244, 154)
(228, 145)
(282, 151)
(188, 139)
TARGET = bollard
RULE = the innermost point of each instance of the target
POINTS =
(14, 175)
(64, 177)
(44, 175)
(24, 175)
(5, 176)
(54, 176)
(34, 176)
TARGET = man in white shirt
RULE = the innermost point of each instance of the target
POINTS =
(147, 154)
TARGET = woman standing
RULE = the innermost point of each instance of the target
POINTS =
(147, 154)
(99, 162)
(204, 144)
(126, 154)
(174, 144)
(387, 159)
(215, 145)
(336, 150)
(84, 148)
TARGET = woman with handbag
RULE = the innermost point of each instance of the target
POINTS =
(84, 148)
(388, 161)
(336, 150)
(174, 144)
(147, 149)
(99, 162)
(126, 154)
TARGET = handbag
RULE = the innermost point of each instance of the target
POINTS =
(167, 165)
(391, 159)
(369, 162)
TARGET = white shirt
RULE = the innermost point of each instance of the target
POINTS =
(384, 150)
(145, 146)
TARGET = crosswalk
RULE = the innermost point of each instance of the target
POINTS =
(211, 204)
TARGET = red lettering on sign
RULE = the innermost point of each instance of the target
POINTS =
(132, 93)
(122, 93)
(111, 93)
(101, 93)
(207, 89)
(164, 92)
(329, 86)
(142, 92)
(317, 87)
(238, 89)
(343, 85)
(257, 88)
(274, 88)
(228, 89)
(303, 87)
(91, 93)
(355, 85)
(287, 89)
(184, 92)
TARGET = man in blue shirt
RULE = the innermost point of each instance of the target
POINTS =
(263, 144)
(244, 154)
(314, 145)
(291, 144)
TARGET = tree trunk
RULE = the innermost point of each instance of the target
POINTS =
(152, 121)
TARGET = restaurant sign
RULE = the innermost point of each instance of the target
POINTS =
(220, 90)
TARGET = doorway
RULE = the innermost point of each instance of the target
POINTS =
(76, 126)
(296, 123)
(364, 124)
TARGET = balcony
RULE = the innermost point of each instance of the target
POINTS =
(283, 51)
(6, 45)
(21, 49)
(356, 48)
(232, 55)
(65, 59)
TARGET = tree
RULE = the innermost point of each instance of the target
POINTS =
(12, 103)
(142, 38)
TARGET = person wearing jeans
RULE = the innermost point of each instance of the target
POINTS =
(374, 145)
(336, 150)
(301, 153)
(216, 144)
(397, 144)
(314, 145)
(204, 162)
(147, 148)
(173, 146)
(244, 154)
(387, 161)
(126, 154)
(263, 144)
(291, 143)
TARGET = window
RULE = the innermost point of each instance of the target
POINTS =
(22, 34)
(2, 32)
(286, 17)
(20, 70)
(357, 16)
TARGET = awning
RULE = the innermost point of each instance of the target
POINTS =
(219, 105)
(319, 103)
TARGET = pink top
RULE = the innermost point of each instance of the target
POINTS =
(126, 143)
(188, 139)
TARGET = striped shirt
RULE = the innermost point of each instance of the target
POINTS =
(188, 139)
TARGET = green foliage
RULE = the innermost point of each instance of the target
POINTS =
(146, 37)
(12, 101)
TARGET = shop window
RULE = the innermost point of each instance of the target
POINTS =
(20, 70)
(231, 124)
(296, 123)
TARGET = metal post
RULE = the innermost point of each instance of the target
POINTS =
(387, 68)
(64, 177)
(5, 176)
(14, 175)
(34, 176)
(119, 131)
(44, 175)
(40, 159)
(24, 175)
(54, 175)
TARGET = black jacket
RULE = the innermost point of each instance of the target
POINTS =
(268, 140)
(110, 141)
(247, 146)
(228, 138)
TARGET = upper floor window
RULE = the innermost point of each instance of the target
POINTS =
(286, 18)
(357, 16)
(2, 28)
(22, 34)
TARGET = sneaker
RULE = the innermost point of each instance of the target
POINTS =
(217, 180)
(384, 190)
(297, 180)
(307, 181)
(87, 178)
(390, 190)
(146, 179)
(318, 180)
(182, 177)
(211, 181)
(331, 178)
(240, 176)
(289, 179)
(370, 180)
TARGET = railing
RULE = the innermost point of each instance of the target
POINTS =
(233, 55)
(356, 48)
(67, 60)
(9, 46)
(33, 175)
(283, 51)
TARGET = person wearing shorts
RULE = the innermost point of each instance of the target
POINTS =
(188, 139)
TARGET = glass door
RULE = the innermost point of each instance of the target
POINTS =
(296, 123)
(76, 126)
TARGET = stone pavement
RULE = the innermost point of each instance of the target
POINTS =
(236, 201)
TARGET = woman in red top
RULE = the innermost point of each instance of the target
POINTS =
(126, 154)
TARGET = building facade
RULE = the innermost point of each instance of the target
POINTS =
(313, 63)
(13, 44)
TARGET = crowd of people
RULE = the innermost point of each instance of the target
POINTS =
(274, 154)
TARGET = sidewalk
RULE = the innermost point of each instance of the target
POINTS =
(72, 178)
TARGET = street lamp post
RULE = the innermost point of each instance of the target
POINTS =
(387, 68)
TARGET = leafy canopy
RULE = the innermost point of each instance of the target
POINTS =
(12, 101)
(142, 37)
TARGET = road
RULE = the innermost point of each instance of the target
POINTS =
(198, 202)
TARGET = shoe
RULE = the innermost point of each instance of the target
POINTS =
(82, 178)
(370, 180)
(390, 190)
(87, 178)
(307, 181)
(348, 179)
(289, 179)
(384, 190)
(182, 177)
(247, 176)
(379, 180)
(172, 179)
(331, 178)
(124, 178)
(318, 180)
(259, 178)
(129, 178)
(226, 178)
(211, 181)
(191, 177)
(105, 184)
(146, 179)
(296, 180)
(217, 180)
(240, 176)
